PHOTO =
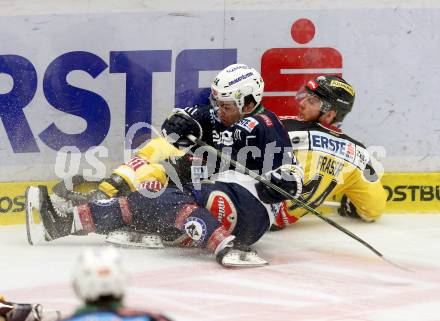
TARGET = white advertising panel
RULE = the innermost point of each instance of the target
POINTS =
(71, 82)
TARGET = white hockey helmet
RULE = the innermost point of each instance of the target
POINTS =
(235, 82)
(99, 273)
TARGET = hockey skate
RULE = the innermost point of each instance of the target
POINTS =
(229, 256)
(131, 239)
(43, 222)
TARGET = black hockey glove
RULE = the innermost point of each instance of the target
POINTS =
(178, 125)
(287, 177)
(185, 168)
(347, 208)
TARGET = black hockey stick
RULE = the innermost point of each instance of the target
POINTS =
(268, 183)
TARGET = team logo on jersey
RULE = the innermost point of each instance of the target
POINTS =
(196, 229)
(221, 206)
(248, 123)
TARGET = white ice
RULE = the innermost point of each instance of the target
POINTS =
(316, 273)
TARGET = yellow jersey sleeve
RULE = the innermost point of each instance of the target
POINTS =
(157, 150)
(144, 166)
(367, 195)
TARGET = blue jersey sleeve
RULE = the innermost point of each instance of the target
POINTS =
(262, 142)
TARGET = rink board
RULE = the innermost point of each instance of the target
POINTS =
(412, 192)
(12, 201)
(407, 193)
(86, 81)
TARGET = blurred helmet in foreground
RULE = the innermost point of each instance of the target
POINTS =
(98, 274)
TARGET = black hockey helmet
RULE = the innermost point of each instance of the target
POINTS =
(335, 93)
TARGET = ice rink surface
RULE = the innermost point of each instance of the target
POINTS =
(316, 273)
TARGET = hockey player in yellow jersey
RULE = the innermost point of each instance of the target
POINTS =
(145, 166)
(334, 163)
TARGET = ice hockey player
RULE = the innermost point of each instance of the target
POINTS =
(231, 207)
(99, 281)
(334, 163)
(211, 122)
(10, 311)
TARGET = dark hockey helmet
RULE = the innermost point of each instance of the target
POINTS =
(335, 94)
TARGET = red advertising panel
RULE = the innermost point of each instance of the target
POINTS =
(286, 70)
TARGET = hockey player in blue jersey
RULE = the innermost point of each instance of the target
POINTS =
(99, 281)
(224, 215)
(248, 132)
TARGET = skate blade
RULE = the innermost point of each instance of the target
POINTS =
(125, 239)
(51, 315)
(243, 260)
(34, 227)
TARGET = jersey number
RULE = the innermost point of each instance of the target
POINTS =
(311, 188)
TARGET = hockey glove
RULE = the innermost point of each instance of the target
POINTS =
(287, 177)
(347, 208)
(178, 125)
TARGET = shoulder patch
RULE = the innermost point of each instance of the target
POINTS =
(248, 123)
(339, 147)
(299, 139)
(266, 119)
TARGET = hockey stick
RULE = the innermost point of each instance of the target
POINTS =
(331, 204)
(268, 183)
